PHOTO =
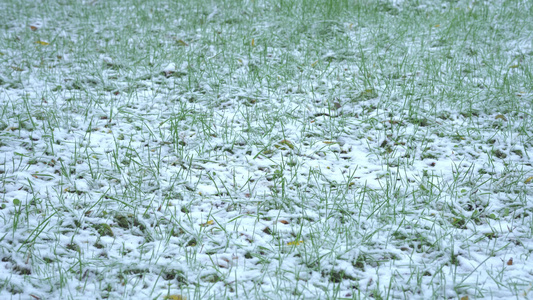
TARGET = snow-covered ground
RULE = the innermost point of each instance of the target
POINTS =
(266, 149)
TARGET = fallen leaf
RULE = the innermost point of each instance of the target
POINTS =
(42, 43)
(500, 117)
(175, 297)
(296, 243)
(283, 222)
(510, 262)
(528, 180)
(287, 143)
(210, 222)
(182, 43)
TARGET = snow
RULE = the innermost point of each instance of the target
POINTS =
(135, 166)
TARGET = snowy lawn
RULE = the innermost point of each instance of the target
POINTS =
(267, 149)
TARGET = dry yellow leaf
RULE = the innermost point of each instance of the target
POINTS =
(296, 243)
(500, 116)
(175, 297)
(42, 43)
(210, 222)
(528, 180)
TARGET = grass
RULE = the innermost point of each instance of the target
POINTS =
(266, 149)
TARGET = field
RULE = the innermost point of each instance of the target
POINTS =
(266, 149)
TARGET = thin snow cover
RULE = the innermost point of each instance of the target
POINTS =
(170, 68)
(107, 59)
(36, 25)
(383, 154)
